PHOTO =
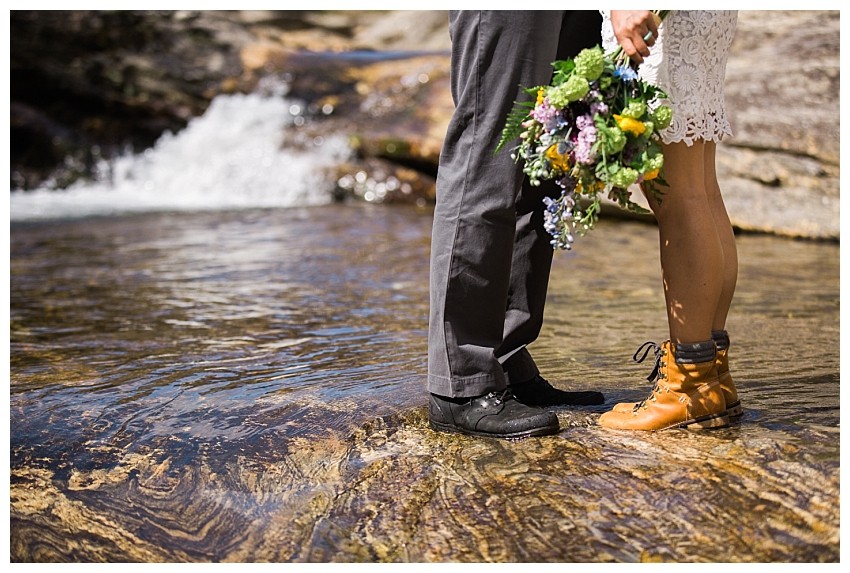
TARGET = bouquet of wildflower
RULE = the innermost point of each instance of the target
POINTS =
(595, 128)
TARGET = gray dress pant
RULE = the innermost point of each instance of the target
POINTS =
(490, 256)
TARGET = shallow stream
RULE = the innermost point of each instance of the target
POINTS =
(248, 386)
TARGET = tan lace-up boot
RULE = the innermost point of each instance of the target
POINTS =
(730, 393)
(645, 347)
(686, 394)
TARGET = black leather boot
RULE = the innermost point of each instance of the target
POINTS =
(496, 415)
(538, 392)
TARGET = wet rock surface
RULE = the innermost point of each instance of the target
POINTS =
(130, 75)
(248, 386)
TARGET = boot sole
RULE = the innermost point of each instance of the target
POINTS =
(705, 422)
(533, 432)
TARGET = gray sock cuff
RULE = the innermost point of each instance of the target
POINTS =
(721, 339)
(696, 352)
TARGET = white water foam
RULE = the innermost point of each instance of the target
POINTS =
(229, 158)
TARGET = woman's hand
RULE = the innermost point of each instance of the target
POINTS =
(636, 31)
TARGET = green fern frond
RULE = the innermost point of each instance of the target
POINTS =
(513, 123)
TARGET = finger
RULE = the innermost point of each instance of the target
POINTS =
(633, 51)
(641, 47)
(653, 28)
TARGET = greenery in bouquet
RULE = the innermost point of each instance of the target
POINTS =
(594, 129)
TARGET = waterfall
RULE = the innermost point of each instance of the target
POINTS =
(236, 155)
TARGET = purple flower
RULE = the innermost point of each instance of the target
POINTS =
(545, 114)
(551, 205)
(584, 146)
(583, 122)
(598, 107)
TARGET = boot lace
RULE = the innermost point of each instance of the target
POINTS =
(500, 396)
(656, 368)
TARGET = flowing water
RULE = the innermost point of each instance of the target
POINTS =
(222, 379)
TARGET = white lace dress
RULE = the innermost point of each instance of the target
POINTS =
(688, 61)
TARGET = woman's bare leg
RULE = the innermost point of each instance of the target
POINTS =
(697, 288)
(692, 252)
(727, 238)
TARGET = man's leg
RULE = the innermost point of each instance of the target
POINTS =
(493, 54)
(529, 282)
(532, 261)
(532, 256)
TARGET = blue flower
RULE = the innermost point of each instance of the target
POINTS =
(626, 73)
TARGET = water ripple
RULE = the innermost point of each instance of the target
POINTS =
(249, 386)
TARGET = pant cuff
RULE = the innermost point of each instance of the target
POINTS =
(465, 387)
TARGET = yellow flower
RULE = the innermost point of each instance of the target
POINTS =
(559, 161)
(591, 188)
(540, 93)
(650, 175)
(630, 125)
